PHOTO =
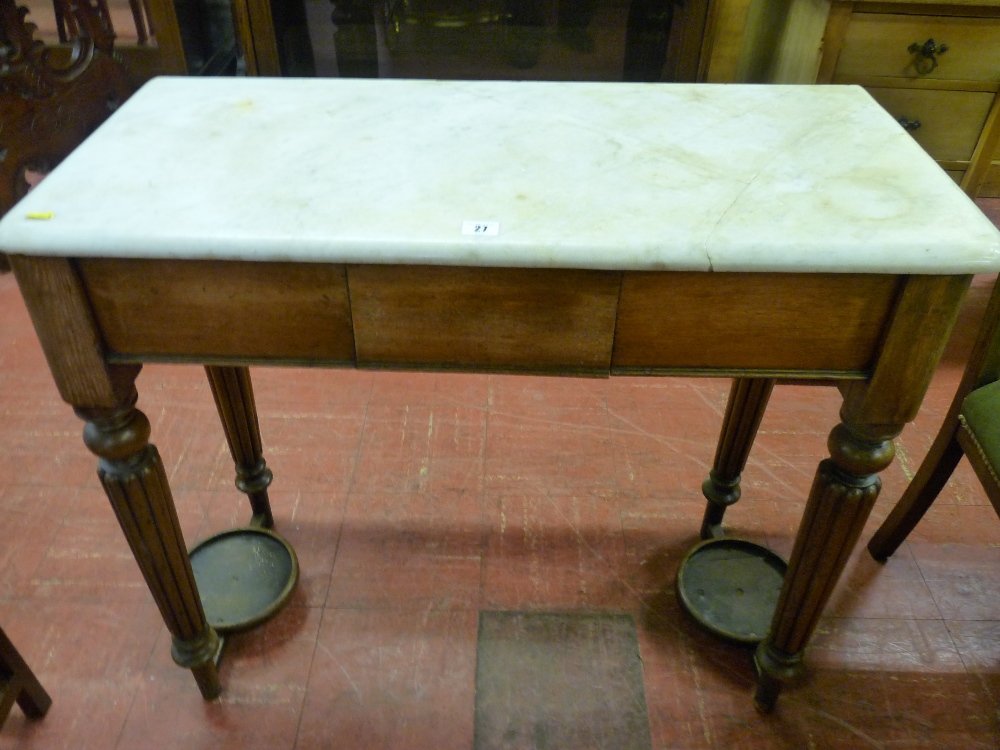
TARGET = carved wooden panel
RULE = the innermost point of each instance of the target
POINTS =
(51, 101)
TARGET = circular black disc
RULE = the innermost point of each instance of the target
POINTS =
(731, 587)
(244, 576)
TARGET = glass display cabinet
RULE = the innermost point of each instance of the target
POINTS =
(562, 40)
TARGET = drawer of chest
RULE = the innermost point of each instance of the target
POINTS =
(915, 47)
(946, 123)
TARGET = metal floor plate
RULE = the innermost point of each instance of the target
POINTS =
(559, 682)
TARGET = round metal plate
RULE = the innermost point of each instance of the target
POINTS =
(244, 576)
(731, 587)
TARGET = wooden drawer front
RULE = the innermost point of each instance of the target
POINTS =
(484, 318)
(221, 308)
(877, 45)
(950, 121)
(752, 321)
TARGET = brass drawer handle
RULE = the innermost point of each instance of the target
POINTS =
(926, 55)
(908, 124)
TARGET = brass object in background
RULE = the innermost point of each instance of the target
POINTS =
(926, 55)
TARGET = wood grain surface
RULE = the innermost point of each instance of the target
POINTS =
(755, 321)
(915, 339)
(540, 320)
(221, 308)
(68, 333)
(484, 318)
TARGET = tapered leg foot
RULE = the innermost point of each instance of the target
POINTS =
(720, 492)
(201, 656)
(774, 668)
(747, 403)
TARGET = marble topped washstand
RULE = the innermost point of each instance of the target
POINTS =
(568, 229)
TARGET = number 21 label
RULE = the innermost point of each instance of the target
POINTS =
(481, 228)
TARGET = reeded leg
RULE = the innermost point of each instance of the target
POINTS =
(931, 478)
(233, 394)
(747, 403)
(18, 683)
(133, 477)
(842, 496)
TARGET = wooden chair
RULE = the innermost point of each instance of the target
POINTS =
(971, 428)
(51, 98)
(18, 683)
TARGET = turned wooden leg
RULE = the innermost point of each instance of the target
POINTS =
(18, 683)
(133, 477)
(233, 394)
(933, 474)
(842, 496)
(747, 403)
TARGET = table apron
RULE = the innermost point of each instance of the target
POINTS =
(558, 321)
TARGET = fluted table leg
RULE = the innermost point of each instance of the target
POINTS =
(747, 402)
(132, 473)
(233, 394)
(840, 501)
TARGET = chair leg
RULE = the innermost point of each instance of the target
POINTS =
(18, 683)
(931, 478)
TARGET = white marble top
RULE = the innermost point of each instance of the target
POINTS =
(580, 175)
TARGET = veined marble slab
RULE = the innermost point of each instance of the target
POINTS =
(570, 175)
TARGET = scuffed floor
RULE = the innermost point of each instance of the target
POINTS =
(417, 501)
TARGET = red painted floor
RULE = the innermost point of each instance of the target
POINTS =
(415, 501)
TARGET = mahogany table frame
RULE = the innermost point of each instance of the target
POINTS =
(877, 336)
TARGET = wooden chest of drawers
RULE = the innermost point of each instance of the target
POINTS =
(934, 67)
